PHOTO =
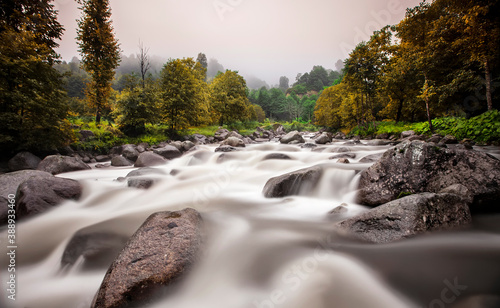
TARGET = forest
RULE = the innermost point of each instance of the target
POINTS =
(440, 61)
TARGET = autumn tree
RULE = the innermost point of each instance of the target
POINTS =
(183, 94)
(100, 51)
(229, 98)
(33, 104)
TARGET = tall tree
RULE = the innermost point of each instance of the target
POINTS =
(33, 104)
(184, 99)
(99, 49)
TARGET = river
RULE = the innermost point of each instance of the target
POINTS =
(260, 253)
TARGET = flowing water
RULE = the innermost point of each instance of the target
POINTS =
(259, 252)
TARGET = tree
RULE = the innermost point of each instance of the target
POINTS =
(183, 94)
(202, 59)
(144, 63)
(229, 98)
(33, 104)
(478, 26)
(135, 107)
(284, 83)
(99, 49)
(327, 109)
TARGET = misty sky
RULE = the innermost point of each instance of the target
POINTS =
(264, 38)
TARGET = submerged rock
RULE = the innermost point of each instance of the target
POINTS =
(56, 164)
(292, 183)
(409, 216)
(277, 156)
(417, 166)
(98, 249)
(159, 253)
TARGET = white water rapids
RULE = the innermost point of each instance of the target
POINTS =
(260, 253)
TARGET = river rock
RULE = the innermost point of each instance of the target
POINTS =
(149, 159)
(409, 216)
(343, 161)
(9, 182)
(56, 164)
(449, 139)
(120, 161)
(276, 156)
(292, 183)
(418, 166)
(187, 145)
(234, 142)
(225, 148)
(169, 151)
(159, 253)
(97, 249)
(102, 158)
(130, 152)
(37, 195)
(23, 161)
(144, 178)
(407, 134)
(371, 158)
(343, 155)
(292, 136)
(323, 138)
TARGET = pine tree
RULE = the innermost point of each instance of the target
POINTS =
(33, 104)
(100, 51)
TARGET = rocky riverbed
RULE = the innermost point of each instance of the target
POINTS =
(274, 220)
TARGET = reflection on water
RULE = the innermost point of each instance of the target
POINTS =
(260, 253)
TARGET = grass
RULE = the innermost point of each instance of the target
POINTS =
(484, 128)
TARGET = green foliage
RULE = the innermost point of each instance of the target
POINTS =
(135, 108)
(184, 94)
(484, 128)
(99, 49)
(229, 98)
(33, 104)
(404, 194)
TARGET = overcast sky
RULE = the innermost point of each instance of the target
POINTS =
(264, 38)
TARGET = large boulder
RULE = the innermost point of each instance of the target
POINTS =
(409, 216)
(234, 142)
(323, 138)
(9, 183)
(292, 136)
(159, 253)
(149, 159)
(293, 183)
(129, 151)
(417, 166)
(37, 195)
(120, 161)
(56, 164)
(23, 161)
(169, 151)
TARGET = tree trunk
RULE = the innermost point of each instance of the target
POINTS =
(488, 84)
(98, 116)
(428, 114)
(400, 111)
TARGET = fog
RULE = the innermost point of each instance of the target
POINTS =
(265, 39)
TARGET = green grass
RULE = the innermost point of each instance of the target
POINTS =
(484, 128)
